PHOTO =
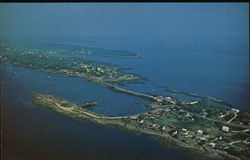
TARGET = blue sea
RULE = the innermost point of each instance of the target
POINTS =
(209, 66)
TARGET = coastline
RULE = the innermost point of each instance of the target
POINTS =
(117, 122)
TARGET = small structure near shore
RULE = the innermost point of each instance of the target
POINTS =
(88, 104)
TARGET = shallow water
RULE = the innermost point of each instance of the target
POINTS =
(31, 132)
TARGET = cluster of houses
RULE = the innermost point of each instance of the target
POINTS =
(193, 102)
(145, 121)
(189, 116)
(202, 139)
(164, 98)
(199, 137)
(90, 69)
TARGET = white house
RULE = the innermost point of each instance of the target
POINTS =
(225, 128)
(235, 110)
(199, 132)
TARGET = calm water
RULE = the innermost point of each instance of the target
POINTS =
(191, 64)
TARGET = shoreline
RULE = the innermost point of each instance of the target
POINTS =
(162, 111)
(117, 122)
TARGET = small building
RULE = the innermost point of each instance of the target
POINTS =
(141, 121)
(203, 139)
(173, 102)
(162, 128)
(184, 129)
(224, 146)
(221, 115)
(225, 128)
(235, 110)
(168, 98)
(175, 132)
(199, 132)
(212, 145)
(194, 102)
(186, 133)
(159, 100)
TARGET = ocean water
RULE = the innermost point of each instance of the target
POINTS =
(201, 65)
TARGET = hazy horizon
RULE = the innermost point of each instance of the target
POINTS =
(124, 19)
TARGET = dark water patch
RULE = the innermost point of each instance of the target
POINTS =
(74, 89)
(193, 68)
(30, 132)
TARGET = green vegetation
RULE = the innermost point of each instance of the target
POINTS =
(171, 123)
(195, 125)
(51, 62)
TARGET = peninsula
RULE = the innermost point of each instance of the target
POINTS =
(193, 127)
(54, 63)
(201, 129)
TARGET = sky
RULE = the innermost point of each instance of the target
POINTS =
(127, 19)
